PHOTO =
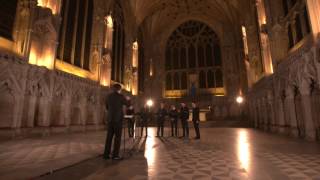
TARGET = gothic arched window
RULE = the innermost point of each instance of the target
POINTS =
(201, 56)
(298, 29)
(217, 55)
(209, 55)
(184, 83)
(202, 79)
(211, 79)
(75, 32)
(183, 57)
(118, 45)
(175, 58)
(194, 49)
(192, 56)
(169, 82)
(176, 81)
(219, 79)
(7, 18)
(168, 59)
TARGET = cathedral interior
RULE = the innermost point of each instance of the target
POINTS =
(253, 67)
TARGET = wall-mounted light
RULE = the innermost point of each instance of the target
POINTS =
(149, 103)
(239, 99)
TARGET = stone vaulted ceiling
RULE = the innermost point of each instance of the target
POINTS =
(159, 15)
(173, 9)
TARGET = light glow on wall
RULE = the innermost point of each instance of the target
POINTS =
(46, 58)
(245, 40)
(109, 21)
(51, 4)
(151, 68)
(33, 56)
(135, 48)
(108, 32)
(71, 69)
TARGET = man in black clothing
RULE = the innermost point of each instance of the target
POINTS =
(184, 116)
(196, 119)
(130, 119)
(173, 114)
(114, 104)
(162, 112)
(145, 115)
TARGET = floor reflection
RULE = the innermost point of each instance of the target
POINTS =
(243, 149)
(150, 152)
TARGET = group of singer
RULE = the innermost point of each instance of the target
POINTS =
(163, 114)
(116, 102)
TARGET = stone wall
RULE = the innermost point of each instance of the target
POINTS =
(35, 99)
(288, 101)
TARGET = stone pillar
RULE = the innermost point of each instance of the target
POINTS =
(18, 110)
(290, 112)
(31, 110)
(260, 114)
(271, 113)
(44, 112)
(310, 131)
(280, 115)
(67, 110)
(256, 115)
(83, 111)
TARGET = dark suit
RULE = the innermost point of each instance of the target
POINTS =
(114, 105)
(145, 116)
(174, 122)
(161, 117)
(130, 122)
(196, 120)
(184, 116)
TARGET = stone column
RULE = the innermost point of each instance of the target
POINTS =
(18, 110)
(290, 111)
(31, 110)
(260, 114)
(271, 112)
(280, 115)
(83, 111)
(67, 110)
(310, 131)
(256, 115)
(44, 112)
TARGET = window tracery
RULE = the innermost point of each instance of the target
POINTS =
(193, 48)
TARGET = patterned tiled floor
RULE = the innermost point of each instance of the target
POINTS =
(296, 166)
(32, 157)
(220, 154)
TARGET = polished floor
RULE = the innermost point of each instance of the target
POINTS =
(222, 153)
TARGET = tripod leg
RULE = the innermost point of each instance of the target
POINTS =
(124, 139)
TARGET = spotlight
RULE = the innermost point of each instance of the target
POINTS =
(149, 103)
(239, 99)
